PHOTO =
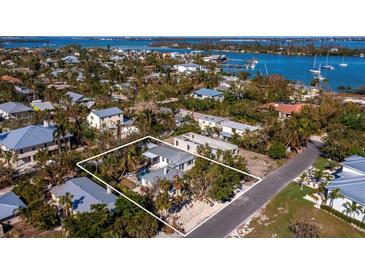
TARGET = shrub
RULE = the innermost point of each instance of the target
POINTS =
(277, 150)
(344, 217)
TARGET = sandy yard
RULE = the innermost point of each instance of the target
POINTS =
(198, 211)
(258, 164)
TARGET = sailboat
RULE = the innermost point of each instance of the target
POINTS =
(319, 75)
(314, 70)
(327, 66)
(343, 64)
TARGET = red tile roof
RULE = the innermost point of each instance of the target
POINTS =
(287, 108)
(7, 78)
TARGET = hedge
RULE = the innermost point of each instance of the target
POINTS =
(343, 216)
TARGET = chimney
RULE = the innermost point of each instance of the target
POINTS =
(108, 189)
(165, 170)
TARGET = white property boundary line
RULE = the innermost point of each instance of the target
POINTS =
(141, 207)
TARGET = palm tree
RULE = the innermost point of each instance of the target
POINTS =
(302, 179)
(129, 161)
(352, 209)
(66, 202)
(62, 128)
(42, 157)
(334, 194)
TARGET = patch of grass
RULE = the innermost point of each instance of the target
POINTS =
(289, 206)
(323, 163)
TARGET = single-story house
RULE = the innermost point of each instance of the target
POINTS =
(205, 93)
(230, 127)
(70, 59)
(10, 79)
(77, 98)
(153, 177)
(189, 67)
(38, 105)
(286, 110)
(105, 118)
(9, 206)
(25, 142)
(85, 193)
(350, 181)
(15, 110)
(192, 141)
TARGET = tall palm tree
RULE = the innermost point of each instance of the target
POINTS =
(352, 209)
(62, 128)
(334, 194)
(129, 161)
(66, 202)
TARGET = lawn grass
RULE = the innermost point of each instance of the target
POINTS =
(289, 206)
(323, 163)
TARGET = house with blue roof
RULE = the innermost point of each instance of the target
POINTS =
(350, 181)
(9, 206)
(105, 118)
(205, 93)
(25, 142)
(15, 110)
(77, 98)
(84, 193)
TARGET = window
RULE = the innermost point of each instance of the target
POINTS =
(45, 145)
(234, 130)
(187, 147)
(177, 143)
(21, 151)
(33, 148)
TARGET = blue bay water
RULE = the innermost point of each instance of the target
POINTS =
(292, 67)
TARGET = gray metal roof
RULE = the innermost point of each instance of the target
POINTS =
(102, 113)
(176, 157)
(208, 92)
(75, 97)
(352, 188)
(159, 174)
(209, 118)
(12, 108)
(9, 203)
(239, 126)
(29, 136)
(85, 193)
(42, 105)
(355, 162)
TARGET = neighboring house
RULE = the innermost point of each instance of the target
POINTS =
(25, 142)
(9, 206)
(105, 118)
(10, 79)
(208, 121)
(77, 98)
(350, 180)
(190, 67)
(26, 92)
(205, 93)
(286, 110)
(159, 156)
(15, 110)
(192, 141)
(38, 105)
(70, 59)
(205, 121)
(85, 193)
(229, 128)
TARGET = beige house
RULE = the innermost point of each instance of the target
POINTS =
(105, 118)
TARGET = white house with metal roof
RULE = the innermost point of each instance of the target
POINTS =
(15, 110)
(25, 142)
(189, 68)
(350, 181)
(230, 127)
(165, 162)
(205, 93)
(84, 193)
(105, 118)
(39, 105)
(192, 141)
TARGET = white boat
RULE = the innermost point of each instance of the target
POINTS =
(327, 66)
(343, 64)
(314, 70)
(318, 75)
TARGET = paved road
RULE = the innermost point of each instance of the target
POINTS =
(222, 224)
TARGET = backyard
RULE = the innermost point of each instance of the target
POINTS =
(289, 206)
